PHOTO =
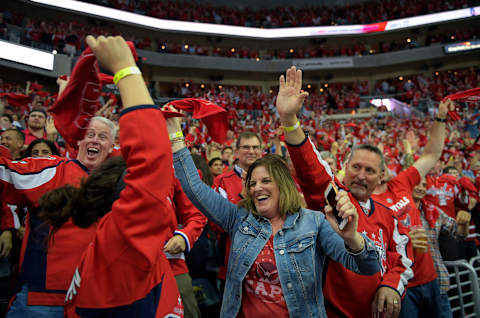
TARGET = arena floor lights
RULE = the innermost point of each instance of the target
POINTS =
(247, 32)
(26, 55)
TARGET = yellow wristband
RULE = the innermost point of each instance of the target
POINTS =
(175, 135)
(292, 128)
(124, 72)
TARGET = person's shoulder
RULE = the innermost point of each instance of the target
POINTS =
(308, 214)
(379, 207)
(226, 175)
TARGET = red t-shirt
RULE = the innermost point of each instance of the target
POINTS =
(262, 294)
(443, 191)
(399, 199)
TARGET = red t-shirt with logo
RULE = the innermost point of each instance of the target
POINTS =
(399, 199)
(262, 294)
(442, 191)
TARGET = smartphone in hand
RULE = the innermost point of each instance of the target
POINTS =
(330, 196)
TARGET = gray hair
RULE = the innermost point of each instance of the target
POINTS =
(109, 123)
(370, 148)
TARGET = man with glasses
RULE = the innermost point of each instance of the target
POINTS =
(229, 184)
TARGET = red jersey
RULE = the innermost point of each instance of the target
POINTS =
(47, 273)
(374, 220)
(124, 270)
(398, 198)
(8, 217)
(229, 185)
(29, 137)
(443, 192)
(192, 223)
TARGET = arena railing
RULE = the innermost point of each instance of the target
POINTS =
(464, 294)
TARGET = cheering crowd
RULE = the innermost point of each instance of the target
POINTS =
(300, 216)
(68, 36)
(314, 15)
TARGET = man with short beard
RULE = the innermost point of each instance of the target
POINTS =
(37, 120)
(346, 293)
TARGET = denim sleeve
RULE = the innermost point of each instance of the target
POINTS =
(364, 263)
(208, 201)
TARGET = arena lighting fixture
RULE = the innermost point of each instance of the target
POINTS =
(247, 32)
(26, 55)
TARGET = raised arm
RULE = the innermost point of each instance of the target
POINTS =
(289, 102)
(433, 148)
(208, 201)
(143, 211)
(313, 172)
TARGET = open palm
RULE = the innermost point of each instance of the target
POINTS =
(290, 95)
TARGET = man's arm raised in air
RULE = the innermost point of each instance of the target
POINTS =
(313, 173)
(436, 141)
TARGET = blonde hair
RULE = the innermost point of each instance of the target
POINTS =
(289, 201)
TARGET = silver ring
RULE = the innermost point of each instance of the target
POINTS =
(395, 302)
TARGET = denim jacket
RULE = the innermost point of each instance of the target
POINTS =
(301, 246)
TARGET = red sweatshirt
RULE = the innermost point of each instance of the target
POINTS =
(192, 223)
(124, 272)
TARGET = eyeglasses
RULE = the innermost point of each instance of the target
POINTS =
(246, 147)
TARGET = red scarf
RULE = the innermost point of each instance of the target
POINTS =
(430, 211)
(17, 100)
(79, 101)
(212, 115)
(471, 95)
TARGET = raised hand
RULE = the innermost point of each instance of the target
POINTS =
(50, 126)
(445, 107)
(112, 53)
(62, 83)
(290, 95)
(174, 124)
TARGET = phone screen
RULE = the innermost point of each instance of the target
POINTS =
(331, 200)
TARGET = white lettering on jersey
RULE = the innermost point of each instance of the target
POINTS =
(400, 204)
(72, 290)
(380, 248)
(442, 193)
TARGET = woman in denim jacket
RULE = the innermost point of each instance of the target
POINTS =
(278, 248)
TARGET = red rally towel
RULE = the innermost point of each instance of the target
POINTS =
(468, 185)
(212, 115)
(17, 100)
(79, 101)
(471, 95)
(431, 213)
